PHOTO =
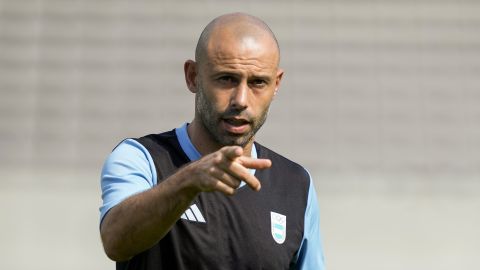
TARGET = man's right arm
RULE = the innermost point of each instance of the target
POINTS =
(141, 220)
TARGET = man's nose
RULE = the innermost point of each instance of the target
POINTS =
(240, 96)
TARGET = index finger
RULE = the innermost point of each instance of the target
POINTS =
(242, 173)
(255, 163)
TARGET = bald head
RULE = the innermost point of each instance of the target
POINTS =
(238, 28)
(234, 78)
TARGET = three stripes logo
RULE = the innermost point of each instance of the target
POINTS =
(193, 214)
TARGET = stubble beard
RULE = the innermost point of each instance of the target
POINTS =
(210, 119)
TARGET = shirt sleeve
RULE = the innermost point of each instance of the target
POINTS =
(128, 170)
(310, 255)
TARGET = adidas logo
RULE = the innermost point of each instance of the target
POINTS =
(193, 214)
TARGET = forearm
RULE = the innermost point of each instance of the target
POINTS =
(140, 221)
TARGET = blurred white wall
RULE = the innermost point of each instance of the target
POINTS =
(380, 101)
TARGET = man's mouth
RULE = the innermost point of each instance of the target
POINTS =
(235, 125)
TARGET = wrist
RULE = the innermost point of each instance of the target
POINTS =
(185, 182)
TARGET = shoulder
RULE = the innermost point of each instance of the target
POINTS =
(128, 158)
(165, 150)
(159, 142)
(129, 151)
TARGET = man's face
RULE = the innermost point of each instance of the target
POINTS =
(236, 85)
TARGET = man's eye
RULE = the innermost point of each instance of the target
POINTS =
(259, 83)
(226, 79)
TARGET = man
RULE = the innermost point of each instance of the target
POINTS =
(205, 195)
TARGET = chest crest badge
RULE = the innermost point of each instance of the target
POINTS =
(279, 227)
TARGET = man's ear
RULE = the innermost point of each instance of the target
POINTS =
(190, 70)
(278, 79)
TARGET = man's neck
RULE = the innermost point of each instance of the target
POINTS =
(205, 144)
